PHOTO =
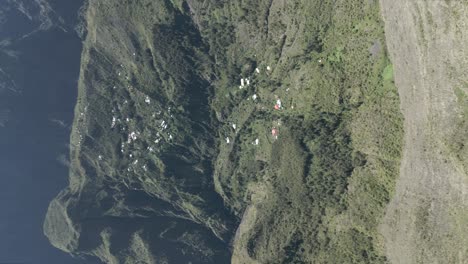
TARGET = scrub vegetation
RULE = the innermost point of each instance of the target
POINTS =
(171, 154)
(459, 138)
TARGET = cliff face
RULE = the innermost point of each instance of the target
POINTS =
(263, 132)
(426, 219)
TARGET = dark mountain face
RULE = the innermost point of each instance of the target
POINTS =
(39, 66)
(21, 22)
(143, 143)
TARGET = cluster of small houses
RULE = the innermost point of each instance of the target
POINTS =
(163, 124)
(133, 135)
(278, 106)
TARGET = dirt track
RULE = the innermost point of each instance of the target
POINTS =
(427, 219)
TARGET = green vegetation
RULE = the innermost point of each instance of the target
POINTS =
(459, 138)
(319, 189)
(333, 168)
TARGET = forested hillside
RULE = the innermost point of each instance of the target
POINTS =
(231, 131)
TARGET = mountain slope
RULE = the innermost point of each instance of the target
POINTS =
(173, 157)
(426, 219)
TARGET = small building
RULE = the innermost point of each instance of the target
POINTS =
(278, 104)
(113, 122)
(275, 132)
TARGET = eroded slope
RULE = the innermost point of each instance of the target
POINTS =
(427, 218)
